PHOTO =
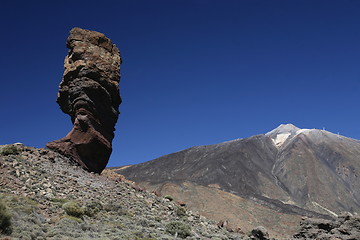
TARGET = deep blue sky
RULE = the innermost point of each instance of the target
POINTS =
(194, 72)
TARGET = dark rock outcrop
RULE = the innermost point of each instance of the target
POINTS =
(259, 233)
(345, 227)
(89, 93)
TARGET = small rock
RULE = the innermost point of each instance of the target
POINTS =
(181, 203)
(259, 233)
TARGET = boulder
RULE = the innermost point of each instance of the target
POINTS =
(89, 93)
(345, 227)
(259, 233)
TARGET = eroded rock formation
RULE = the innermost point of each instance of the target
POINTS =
(89, 93)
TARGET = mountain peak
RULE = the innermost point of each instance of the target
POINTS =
(282, 133)
(283, 128)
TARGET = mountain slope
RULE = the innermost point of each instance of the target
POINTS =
(47, 197)
(319, 171)
(296, 171)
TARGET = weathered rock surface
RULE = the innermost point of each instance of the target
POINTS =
(89, 93)
(345, 227)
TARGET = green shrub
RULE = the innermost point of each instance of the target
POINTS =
(140, 236)
(180, 211)
(59, 201)
(182, 230)
(72, 218)
(5, 219)
(92, 208)
(73, 209)
(9, 150)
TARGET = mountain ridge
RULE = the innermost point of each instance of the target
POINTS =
(293, 170)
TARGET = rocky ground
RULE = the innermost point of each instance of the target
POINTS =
(44, 196)
(345, 227)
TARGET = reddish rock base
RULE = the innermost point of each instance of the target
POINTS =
(84, 144)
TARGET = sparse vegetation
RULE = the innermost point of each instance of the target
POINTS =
(178, 228)
(56, 200)
(5, 218)
(140, 236)
(9, 150)
(73, 209)
(92, 208)
(76, 219)
(60, 201)
(157, 218)
(112, 207)
(115, 207)
(180, 211)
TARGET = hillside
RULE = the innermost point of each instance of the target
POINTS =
(45, 196)
(288, 171)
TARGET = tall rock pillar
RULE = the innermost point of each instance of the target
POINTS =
(89, 93)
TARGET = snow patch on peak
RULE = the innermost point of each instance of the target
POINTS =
(280, 139)
(283, 128)
(284, 132)
(302, 131)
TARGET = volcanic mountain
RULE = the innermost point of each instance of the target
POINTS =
(288, 173)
